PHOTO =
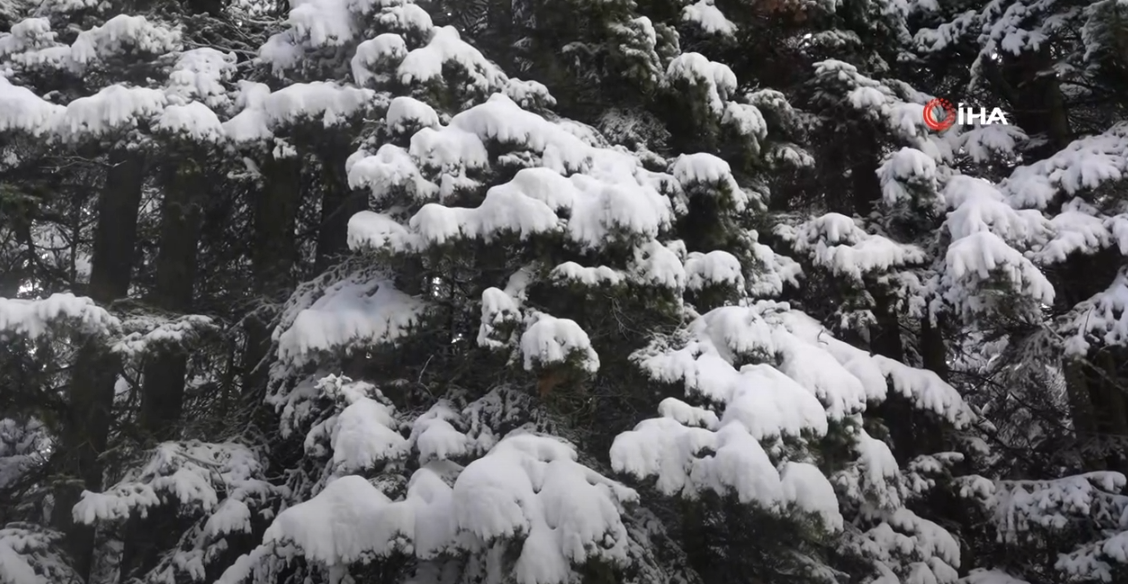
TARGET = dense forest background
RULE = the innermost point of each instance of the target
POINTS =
(562, 292)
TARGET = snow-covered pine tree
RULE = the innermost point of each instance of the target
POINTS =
(452, 460)
(81, 70)
(861, 119)
(424, 277)
(126, 92)
(517, 289)
(1051, 66)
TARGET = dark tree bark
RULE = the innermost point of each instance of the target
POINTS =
(338, 205)
(273, 255)
(91, 393)
(162, 395)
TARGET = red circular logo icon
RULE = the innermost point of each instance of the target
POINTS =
(939, 115)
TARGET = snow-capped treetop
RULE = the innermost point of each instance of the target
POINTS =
(708, 18)
(202, 74)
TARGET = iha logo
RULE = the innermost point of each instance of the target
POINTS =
(939, 115)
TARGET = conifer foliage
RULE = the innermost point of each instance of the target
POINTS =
(420, 292)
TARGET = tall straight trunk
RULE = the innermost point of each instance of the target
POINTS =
(933, 348)
(338, 205)
(86, 428)
(185, 188)
(162, 395)
(12, 270)
(885, 334)
(273, 255)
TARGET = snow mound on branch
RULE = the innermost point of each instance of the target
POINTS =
(708, 18)
(500, 119)
(802, 395)
(366, 433)
(697, 170)
(531, 487)
(32, 44)
(34, 317)
(1087, 163)
(114, 108)
(817, 379)
(609, 194)
(599, 204)
(324, 101)
(376, 231)
(144, 333)
(553, 341)
(501, 314)
(322, 22)
(526, 485)
(1101, 319)
(193, 121)
(26, 35)
(1077, 228)
(354, 310)
(345, 520)
(263, 112)
(980, 207)
(987, 233)
(654, 264)
(983, 254)
(447, 48)
(921, 387)
(193, 474)
(718, 81)
(120, 33)
(906, 170)
(384, 49)
(672, 452)
(982, 576)
(713, 269)
(318, 25)
(251, 124)
(837, 243)
(389, 172)
(436, 438)
(30, 555)
(805, 487)
(405, 112)
(21, 109)
(200, 74)
(987, 143)
(571, 272)
(503, 211)
(1028, 508)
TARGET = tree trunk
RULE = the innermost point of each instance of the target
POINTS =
(162, 396)
(12, 262)
(91, 393)
(338, 205)
(273, 255)
(933, 349)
